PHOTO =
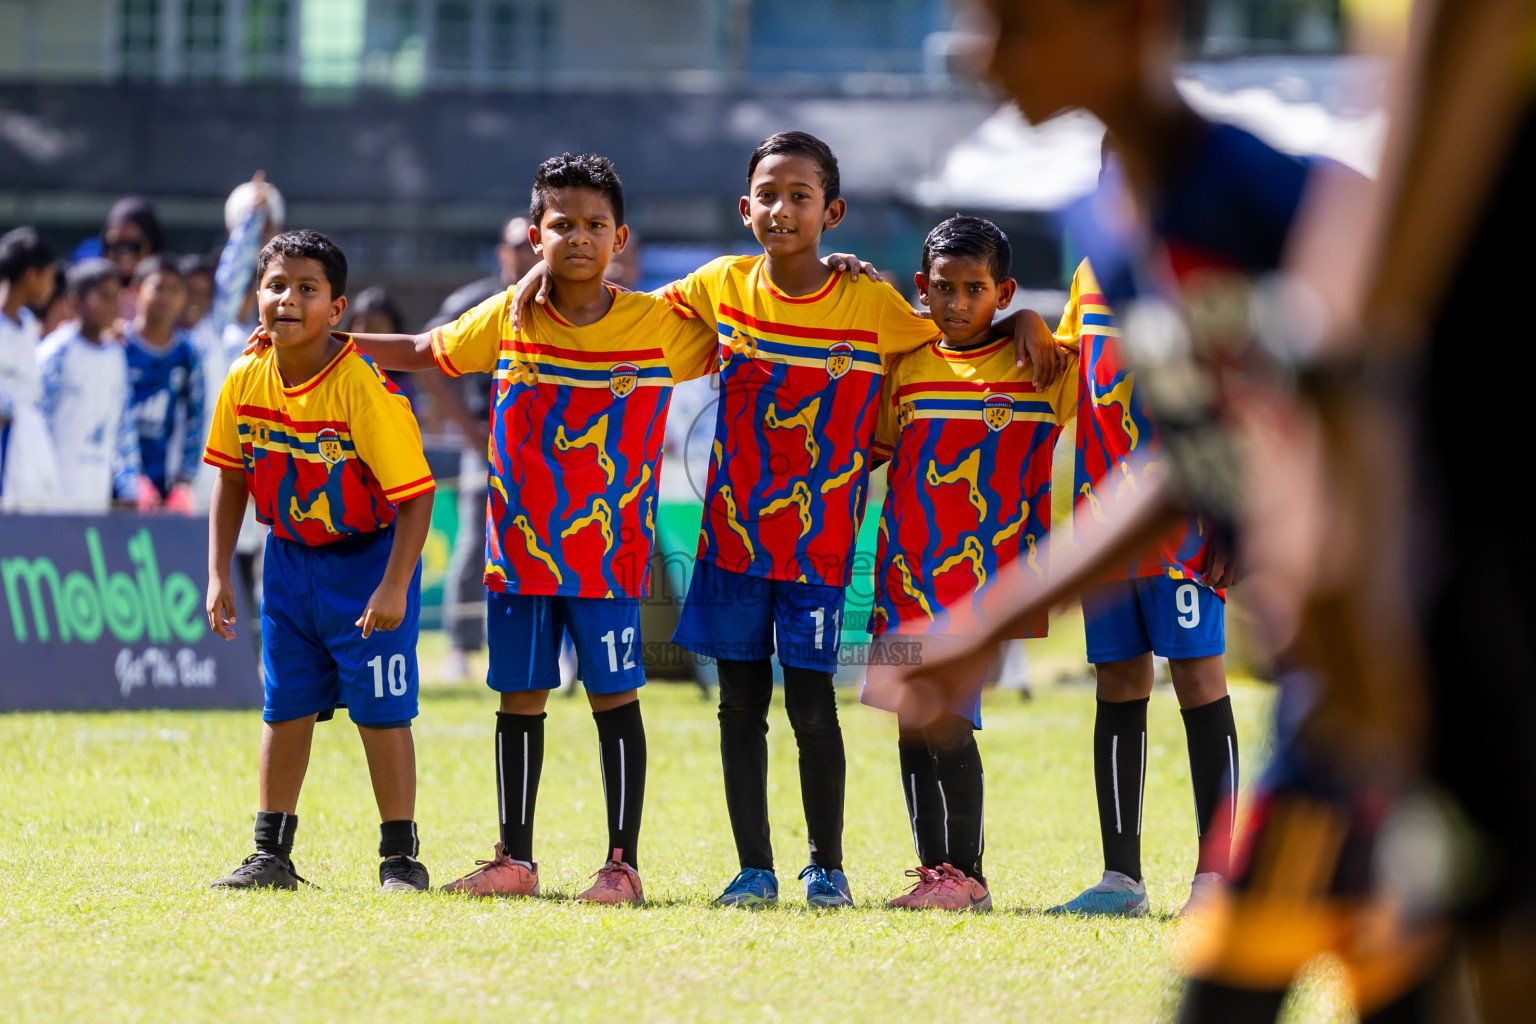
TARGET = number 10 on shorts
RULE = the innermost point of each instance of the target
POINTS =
(396, 675)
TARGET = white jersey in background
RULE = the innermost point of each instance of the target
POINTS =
(28, 477)
(84, 392)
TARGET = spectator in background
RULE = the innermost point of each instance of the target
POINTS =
(466, 402)
(625, 270)
(28, 475)
(57, 311)
(132, 232)
(85, 389)
(165, 402)
(374, 312)
(197, 272)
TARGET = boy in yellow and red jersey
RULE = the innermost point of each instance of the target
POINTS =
(802, 352)
(330, 451)
(578, 420)
(969, 437)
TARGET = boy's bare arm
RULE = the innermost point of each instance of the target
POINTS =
(404, 352)
(224, 517)
(386, 608)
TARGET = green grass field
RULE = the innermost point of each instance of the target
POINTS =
(112, 825)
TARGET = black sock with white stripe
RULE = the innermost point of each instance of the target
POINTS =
(621, 751)
(398, 838)
(1213, 768)
(274, 833)
(519, 761)
(1119, 775)
(960, 794)
(920, 787)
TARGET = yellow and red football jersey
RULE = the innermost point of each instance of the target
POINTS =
(325, 460)
(1112, 425)
(969, 438)
(799, 381)
(577, 424)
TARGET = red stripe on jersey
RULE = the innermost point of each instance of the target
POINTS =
(969, 353)
(792, 331)
(820, 293)
(304, 425)
(390, 494)
(440, 357)
(972, 387)
(586, 356)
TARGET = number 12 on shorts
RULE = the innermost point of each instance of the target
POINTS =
(628, 640)
(396, 675)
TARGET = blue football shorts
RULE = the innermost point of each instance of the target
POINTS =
(737, 617)
(314, 656)
(524, 633)
(1173, 618)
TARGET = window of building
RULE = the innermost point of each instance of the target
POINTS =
(139, 41)
(202, 38)
(453, 40)
(268, 37)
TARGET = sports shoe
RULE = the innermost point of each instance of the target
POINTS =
(499, 876)
(825, 889)
(1204, 887)
(617, 882)
(261, 870)
(949, 889)
(752, 888)
(1117, 895)
(402, 874)
(926, 877)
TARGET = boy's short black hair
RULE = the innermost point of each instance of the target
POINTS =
(800, 144)
(585, 171)
(87, 275)
(194, 263)
(307, 245)
(140, 212)
(23, 249)
(975, 237)
(158, 263)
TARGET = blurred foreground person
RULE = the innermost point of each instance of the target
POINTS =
(28, 475)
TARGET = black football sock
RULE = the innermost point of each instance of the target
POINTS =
(1213, 768)
(811, 703)
(519, 762)
(274, 833)
(621, 752)
(920, 787)
(1119, 774)
(1208, 1002)
(961, 789)
(746, 689)
(397, 838)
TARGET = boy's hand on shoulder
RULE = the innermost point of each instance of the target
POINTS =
(257, 342)
(1033, 340)
(852, 266)
(386, 609)
(533, 287)
(221, 607)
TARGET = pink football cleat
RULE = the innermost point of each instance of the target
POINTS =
(951, 889)
(499, 876)
(926, 877)
(617, 882)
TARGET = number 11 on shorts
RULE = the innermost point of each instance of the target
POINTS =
(820, 617)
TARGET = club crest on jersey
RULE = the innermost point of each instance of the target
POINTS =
(839, 359)
(329, 442)
(997, 410)
(621, 378)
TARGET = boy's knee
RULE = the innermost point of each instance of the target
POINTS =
(810, 700)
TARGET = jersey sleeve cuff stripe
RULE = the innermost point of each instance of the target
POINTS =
(410, 490)
(440, 357)
(679, 307)
(219, 460)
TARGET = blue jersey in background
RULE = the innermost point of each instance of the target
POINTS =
(165, 403)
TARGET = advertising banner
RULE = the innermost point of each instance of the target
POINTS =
(106, 612)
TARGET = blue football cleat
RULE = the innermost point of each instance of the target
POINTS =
(1117, 895)
(753, 888)
(825, 888)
